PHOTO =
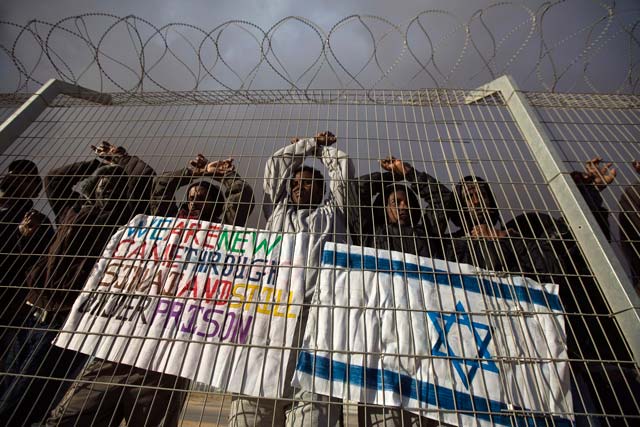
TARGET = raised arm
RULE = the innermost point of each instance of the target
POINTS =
(594, 179)
(340, 169)
(364, 190)
(279, 169)
(437, 198)
(435, 195)
(239, 199)
(164, 190)
(59, 184)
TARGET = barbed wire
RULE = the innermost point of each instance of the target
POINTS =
(435, 48)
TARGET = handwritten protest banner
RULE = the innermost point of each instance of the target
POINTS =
(473, 348)
(214, 303)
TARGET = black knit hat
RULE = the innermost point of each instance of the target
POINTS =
(21, 172)
(23, 167)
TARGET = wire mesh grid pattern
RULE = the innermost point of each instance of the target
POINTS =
(460, 184)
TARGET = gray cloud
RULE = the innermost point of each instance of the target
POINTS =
(585, 49)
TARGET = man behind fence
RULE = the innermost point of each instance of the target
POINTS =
(90, 202)
(592, 333)
(108, 392)
(482, 242)
(294, 203)
(25, 234)
(389, 218)
(389, 214)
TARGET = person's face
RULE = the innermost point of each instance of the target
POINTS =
(398, 208)
(197, 199)
(109, 190)
(305, 190)
(476, 202)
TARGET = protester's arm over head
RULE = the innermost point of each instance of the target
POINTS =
(435, 195)
(593, 180)
(369, 207)
(283, 163)
(437, 198)
(238, 196)
(235, 205)
(140, 180)
(59, 184)
(279, 170)
(163, 201)
(164, 189)
(340, 169)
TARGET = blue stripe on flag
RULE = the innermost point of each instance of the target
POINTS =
(441, 277)
(441, 397)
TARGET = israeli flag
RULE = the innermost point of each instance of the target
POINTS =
(444, 340)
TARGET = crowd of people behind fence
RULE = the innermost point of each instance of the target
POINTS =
(44, 266)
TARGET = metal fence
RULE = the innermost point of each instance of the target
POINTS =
(526, 146)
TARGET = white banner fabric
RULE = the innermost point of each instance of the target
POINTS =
(393, 329)
(214, 303)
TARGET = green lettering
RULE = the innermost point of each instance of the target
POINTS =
(239, 237)
(265, 243)
(224, 237)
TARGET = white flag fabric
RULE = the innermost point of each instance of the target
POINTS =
(214, 303)
(473, 348)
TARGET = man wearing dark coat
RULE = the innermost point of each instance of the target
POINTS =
(389, 214)
(481, 239)
(592, 333)
(389, 217)
(90, 200)
(25, 234)
(107, 392)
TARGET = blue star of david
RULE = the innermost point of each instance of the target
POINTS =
(443, 324)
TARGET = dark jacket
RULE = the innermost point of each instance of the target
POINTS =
(371, 228)
(18, 254)
(514, 254)
(630, 229)
(591, 331)
(234, 206)
(84, 228)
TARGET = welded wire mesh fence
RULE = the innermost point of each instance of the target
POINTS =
(446, 315)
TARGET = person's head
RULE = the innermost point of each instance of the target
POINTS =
(206, 199)
(401, 205)
(478, 206)
(307, 187)
(110, 187)
(21, 181)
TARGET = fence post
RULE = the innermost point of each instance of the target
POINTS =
(20, 120)
(607, 269)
